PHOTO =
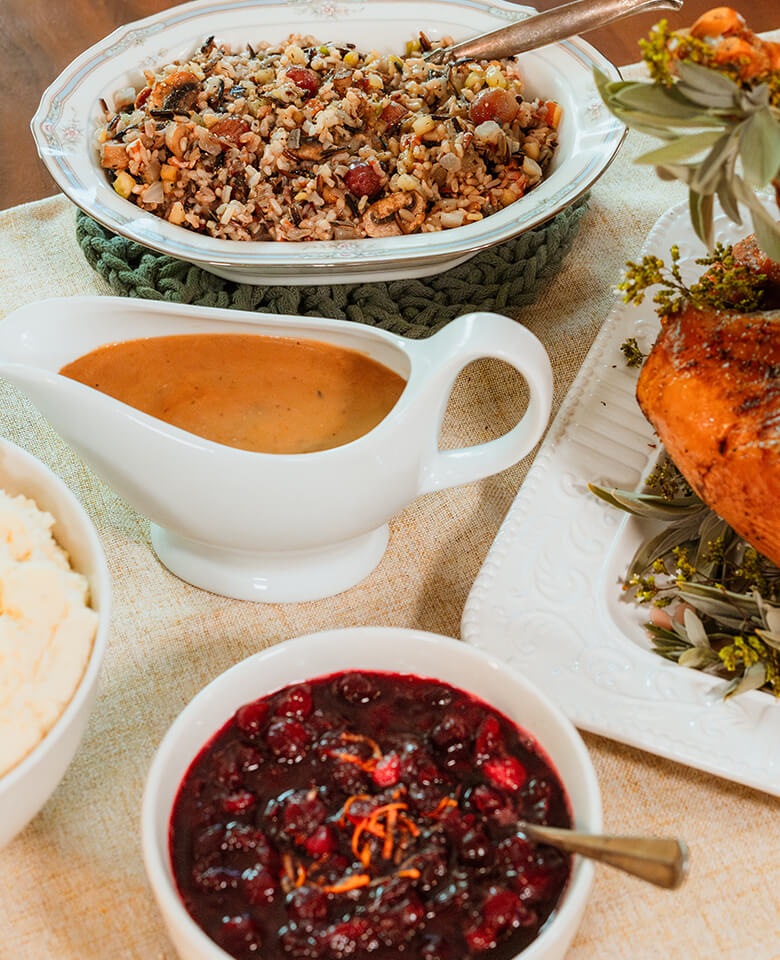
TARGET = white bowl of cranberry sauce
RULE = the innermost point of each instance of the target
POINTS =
(355, 794)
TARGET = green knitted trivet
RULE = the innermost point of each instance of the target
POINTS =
(507, 276)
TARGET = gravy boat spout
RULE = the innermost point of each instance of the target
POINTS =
(259, 526)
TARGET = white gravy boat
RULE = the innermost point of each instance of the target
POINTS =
(258, 526)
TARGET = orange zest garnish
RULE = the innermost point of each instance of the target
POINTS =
(413, 873)
(359, 738)
(349, 883)
(367, 765)
(370, 824)
(301, 878)
(348, 804)
(444, 803)
(410, 825)
(387, 846)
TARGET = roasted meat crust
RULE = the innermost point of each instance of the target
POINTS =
(711, 389)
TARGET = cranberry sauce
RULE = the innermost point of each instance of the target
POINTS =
(368, 815)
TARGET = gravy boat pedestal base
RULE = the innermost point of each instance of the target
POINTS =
(260, 526)
(288, 576)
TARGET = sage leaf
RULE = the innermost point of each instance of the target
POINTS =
(706, 87)
(681, 149)
(633, 121)
(770, 614)
(770, 639)
(710, 170)
(697, 635)
(670, 537)
(677, 171)
(766, 227)
(724, 690)
(697, 658)
(723, 605)
(767, 233)
(753, 679)
(712, 529)
(647, 505)
(727, 198)
(759, 147)
(752, 100)
(700, 208)
(659, 101)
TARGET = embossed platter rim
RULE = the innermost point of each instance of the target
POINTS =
(571, 634)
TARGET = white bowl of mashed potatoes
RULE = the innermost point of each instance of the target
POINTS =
(55, 609)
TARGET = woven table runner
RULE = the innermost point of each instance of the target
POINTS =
(505, 277)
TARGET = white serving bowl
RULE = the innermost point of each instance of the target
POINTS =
(69, 114)
(25, 788)
(365, 648)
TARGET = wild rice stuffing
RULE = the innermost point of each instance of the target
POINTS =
(313, 141)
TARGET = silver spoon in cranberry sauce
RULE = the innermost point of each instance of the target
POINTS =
(659, 860)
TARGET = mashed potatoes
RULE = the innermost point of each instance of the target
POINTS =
(46, 628)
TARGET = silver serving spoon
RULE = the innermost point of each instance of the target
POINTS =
(658, 860)
(548, 27)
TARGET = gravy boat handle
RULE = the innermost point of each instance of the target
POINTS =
(472, 337)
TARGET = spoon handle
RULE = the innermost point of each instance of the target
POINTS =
(661, 861)
(543, 28)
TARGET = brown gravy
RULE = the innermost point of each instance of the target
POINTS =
(266, 394)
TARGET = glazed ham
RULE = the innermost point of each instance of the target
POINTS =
(711, 389)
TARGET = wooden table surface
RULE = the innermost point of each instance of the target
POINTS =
(38, 39)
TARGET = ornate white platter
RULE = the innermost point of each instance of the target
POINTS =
(548, 600)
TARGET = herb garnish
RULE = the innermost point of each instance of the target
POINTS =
(664, 48)
(632, 352)
(727, 285)
(726, 595)
(720, 124)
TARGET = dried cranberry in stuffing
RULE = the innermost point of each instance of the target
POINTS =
(493, 104)
(230, 129)
(392, 114)
(362, 180)
(304, 78)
